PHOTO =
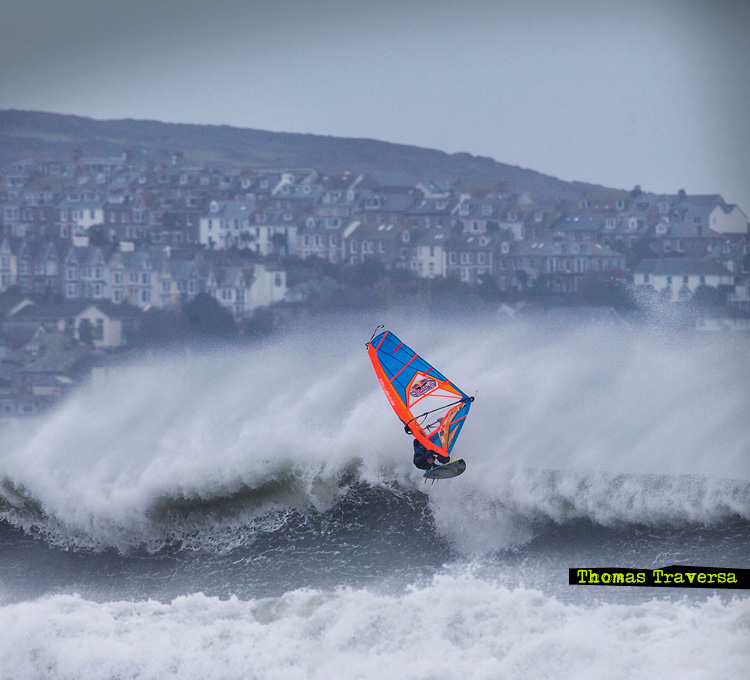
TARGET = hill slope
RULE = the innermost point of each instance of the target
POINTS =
(32, 134)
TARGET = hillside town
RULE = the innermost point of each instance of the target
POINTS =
(92, 248)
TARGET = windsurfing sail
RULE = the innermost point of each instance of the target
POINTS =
(430, 406)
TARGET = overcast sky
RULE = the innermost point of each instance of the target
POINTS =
(649, 92)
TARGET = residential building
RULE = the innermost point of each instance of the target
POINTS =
(470, 258)
(86, 274)
(677, 278)
(109, 324)
(430, 255)
(268, 287)
(316, 239)
(562, 264)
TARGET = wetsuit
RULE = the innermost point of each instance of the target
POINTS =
(421, 453)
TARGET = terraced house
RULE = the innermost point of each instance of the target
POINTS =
(677, 279)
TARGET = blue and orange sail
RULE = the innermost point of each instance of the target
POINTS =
(430, 406)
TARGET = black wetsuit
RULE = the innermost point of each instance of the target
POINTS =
(421, 454)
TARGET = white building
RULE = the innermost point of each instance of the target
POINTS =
(241, 224)
(680, 277)
(728, 219)
(107, 325)
(80, 216)
(430, 256)
(228, 224)
(242, 291)
(268, 287)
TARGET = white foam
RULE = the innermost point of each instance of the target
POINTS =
(454, 628)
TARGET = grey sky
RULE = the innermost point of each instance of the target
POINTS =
(649, 92)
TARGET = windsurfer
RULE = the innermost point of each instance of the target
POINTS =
(424, 459)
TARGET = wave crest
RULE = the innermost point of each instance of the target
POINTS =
(593, 422)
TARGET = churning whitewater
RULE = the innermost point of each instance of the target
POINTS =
(255, 513)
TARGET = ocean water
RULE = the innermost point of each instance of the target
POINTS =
(255, 514)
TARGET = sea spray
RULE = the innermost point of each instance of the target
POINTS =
(576, 422)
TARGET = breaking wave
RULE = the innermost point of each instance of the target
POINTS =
(587, 422)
